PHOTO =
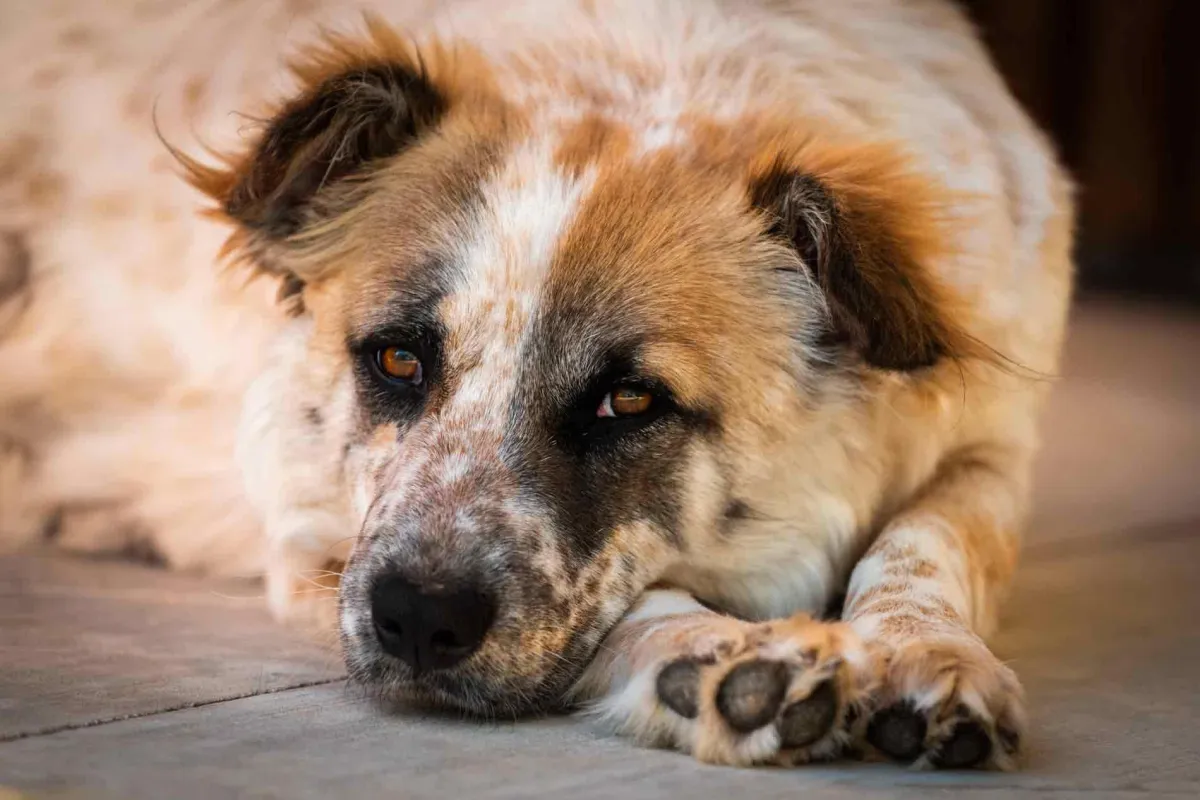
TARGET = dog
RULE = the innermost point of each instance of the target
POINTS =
(677, 360)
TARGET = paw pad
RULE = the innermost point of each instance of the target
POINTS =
(750, 697)
(900, 732)
(678, 687)
(807, 720)
(967, 746)
(751, 694)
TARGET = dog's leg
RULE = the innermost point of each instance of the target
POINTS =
(728, 691)
(921, 598)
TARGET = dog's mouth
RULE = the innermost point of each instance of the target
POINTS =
(462, 693)
(471, 689)
(507, 673)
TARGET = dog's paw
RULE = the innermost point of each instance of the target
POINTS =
(734, 692)
(947, 704)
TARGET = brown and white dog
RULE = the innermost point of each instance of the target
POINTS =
(618, 338)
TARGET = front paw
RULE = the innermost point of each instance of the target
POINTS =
(947, 704)
(734, 692)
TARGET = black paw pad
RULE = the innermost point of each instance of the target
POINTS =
(967, 746)
(807, 720)
(751, 693)
(678, 687)
(898, 731)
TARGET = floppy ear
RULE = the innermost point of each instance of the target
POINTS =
(867, 261)
(364, 102)
(333, 131)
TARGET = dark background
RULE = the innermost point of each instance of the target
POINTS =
(1117, 85)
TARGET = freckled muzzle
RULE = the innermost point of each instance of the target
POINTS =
(457, 594)
(497, 638)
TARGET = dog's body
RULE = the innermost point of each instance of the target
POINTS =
(595, 308)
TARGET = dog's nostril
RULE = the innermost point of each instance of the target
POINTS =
(428, 630)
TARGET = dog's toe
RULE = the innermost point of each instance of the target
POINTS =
(967, 746)
(948, 705)
(899, 731)
(678, 686)
(807, 720)
(750, 695)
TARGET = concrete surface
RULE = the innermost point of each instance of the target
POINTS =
(118, 681)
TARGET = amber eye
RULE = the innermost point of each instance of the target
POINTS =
(399, 364)
(625, 401)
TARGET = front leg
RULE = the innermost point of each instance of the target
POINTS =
(922, 597)
(728, 691)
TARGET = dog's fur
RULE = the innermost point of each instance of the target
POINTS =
(822, 234)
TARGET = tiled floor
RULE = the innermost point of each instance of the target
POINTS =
(107, 689)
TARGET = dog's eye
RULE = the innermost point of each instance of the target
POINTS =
(399, 364)
(625, 401)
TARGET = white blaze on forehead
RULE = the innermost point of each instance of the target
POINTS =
(525, 210)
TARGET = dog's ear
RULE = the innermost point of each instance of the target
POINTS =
(362, 104)
(866, 259)
(333, 131)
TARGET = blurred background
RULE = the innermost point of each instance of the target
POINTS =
(1117, 85)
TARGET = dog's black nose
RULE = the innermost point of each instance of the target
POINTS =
(429, 629)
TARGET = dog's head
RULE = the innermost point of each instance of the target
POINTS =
(556, 345)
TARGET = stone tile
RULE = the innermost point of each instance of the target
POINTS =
(83, 642)
(1106, 641)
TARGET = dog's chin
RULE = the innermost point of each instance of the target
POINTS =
(462, 693)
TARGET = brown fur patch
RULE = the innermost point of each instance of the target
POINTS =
(877, 592)
(589, 140)
(660, 247)
(899, 625)
(923, 568)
